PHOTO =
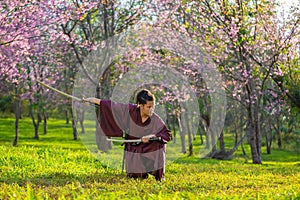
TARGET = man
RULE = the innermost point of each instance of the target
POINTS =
(137, 121)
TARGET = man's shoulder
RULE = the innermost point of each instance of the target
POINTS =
(156, 118)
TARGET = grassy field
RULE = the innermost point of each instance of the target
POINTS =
(57, 167)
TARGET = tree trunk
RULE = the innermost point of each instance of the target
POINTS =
(243, 149)
(205, 120)
(207, 141)
(200, 134)
(17, 115)
(182, 136)
(45, 123)
(67, 116)
(236, 125)
(189, 135)
(242, 123)
(251, 133)
(253, 129)
(213, 143)
(82, 126)
(15, 143)
(256, 158)
(80, 117)
(174, 127)
(257, 133)
(75, 133)
(230, 153)
(187, 128)
(34, 122)
(74, 127)
(168, 120)
(36, 131)
(222, 143)
(39, 117)
(268, 136)
(212, 136)
(277, 127)
(102, 144)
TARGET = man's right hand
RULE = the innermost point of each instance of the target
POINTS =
(146, 139)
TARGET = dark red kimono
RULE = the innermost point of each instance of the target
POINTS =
(141, 159)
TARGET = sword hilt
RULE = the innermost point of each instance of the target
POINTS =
(155, 139)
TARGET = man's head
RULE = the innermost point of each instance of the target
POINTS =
(146, 101)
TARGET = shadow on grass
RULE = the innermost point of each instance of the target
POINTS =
(62, 179)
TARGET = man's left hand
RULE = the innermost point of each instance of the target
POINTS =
(145, 139)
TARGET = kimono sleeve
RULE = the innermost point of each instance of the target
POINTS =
(112, 118)
(160, 129)
(165, 134)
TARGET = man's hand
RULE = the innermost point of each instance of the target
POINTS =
(145, 139)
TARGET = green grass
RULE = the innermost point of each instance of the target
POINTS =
(57, 167)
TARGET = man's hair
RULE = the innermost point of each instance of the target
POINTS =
(143, 96)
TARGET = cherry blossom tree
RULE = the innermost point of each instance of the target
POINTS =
(91, 23)
(245, 41)
(20, 26)
(29, 51)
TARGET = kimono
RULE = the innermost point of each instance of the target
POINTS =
(141, 159)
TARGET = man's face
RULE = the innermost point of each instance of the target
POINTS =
(147, 109)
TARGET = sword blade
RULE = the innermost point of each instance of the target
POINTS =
(134, 140)
(58, 91)
(117, 140)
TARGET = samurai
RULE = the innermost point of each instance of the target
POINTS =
(137, 121)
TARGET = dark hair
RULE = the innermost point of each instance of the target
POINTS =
(143, 96)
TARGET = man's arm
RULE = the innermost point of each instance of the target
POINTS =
(92, 100)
